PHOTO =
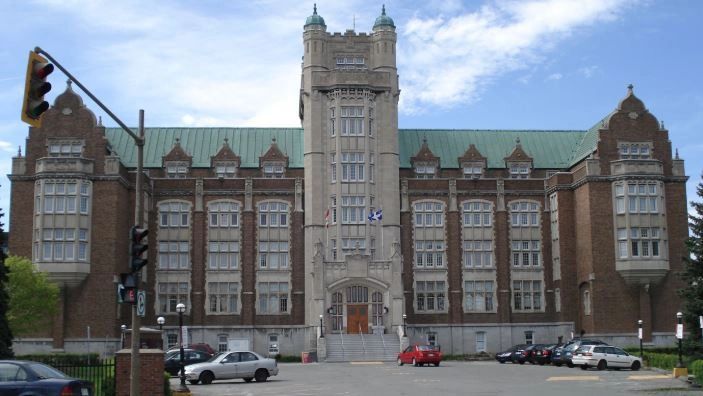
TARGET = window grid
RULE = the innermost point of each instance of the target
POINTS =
(524, 214)
(429, 254)
(635, 151)
(478, 254)
(333, 167)
(519, 170)
(477, 214)
(224, 215)
(527, 295)
(273, 171)
(174, 255)
(174, 214)
(353, 209)
(223, 255)
(429, 214)
(273, 297)
(223, 297)
(172, 293)
(478, 296)
(526, 253)
(472, 171)
(176, 170)
(61, 244)
(353, 167)
(273, 214)
(273, 255)
(430, 296)
(66, 148)
(62, 197)
(425, 171)
(352, 118)
(644, 242)
(227, 170)
(638, 197)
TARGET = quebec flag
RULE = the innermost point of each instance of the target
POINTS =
(377, 215)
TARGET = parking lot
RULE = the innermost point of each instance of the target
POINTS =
(450, 378)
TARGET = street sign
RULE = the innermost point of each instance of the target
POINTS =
(141, 303)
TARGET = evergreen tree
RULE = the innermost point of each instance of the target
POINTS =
(5, 332)
(692, 293)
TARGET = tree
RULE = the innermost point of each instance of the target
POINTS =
(33, 299)
(5, 332)
(692, 293)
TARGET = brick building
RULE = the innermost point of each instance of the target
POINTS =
(479, 238)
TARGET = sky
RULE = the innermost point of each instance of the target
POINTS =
(477, 64)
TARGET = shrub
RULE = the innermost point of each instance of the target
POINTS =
(63, 358)
(167, 384)
(288, 358)
(107, 387)
(697, 370)
(661, 360)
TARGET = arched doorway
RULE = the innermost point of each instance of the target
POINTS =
(356, 309)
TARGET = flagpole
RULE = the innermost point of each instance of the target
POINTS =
(379, 223)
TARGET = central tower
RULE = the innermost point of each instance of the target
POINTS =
(349, 112)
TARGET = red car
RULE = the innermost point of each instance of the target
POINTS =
(419, 355)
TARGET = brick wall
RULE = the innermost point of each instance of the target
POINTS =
(151, 372)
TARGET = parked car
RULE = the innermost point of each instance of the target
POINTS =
(199, 346)
(540, 354)
(230, 365)
(172, 359)
(563, 355)
(605, 356)
(419, 355)
(19, 377)
(507, 355)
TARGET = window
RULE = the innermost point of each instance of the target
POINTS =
(332, 125)
(478, 254)
(586, 302)
(478, 296)
(176, 170)
(527, 295)
(273, 214)
(61, 244)
(222, 343)
(226, 170)
(429, 214)
(480, 341)
(529, 337)
(432, 339)
(377, 309)
(472, 170)
(334, 249)
(65, 148)
(372, 168)
(224, 214)
(640, 197)
(273, 255)
(223, 297)
(336, 311)
(63, 197)
(519, 170)
(526, 253)
(425, 170)
(273, 170)
(172, 339)
(273, 297)
(352, 119)
(174, 255)
(350, 62)
(172, 293)
(350, 245)
(223, 255)
(429, 296)
(477, 214)
(635, 150)
(333, 168)
(357, 294)
(644, 242)
(429, 254)
(353, 209)
(524, 214)
(352, 167)
(174, 214)
(557, 300)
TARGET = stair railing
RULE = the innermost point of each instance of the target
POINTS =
(341, 337)
(363, 343)
(384, 344)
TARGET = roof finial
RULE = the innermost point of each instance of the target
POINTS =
(662, 125)
(424, 140)
(677, 153)
(383, 10)
(517, 140)
(314, 8)
(629, 89)
(178, 141)
(226, 142)
(19, 151)
(100, 120)
(273, 140)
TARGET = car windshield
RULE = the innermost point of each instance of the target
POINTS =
(45, 371)
(216, 356)
(426, 348)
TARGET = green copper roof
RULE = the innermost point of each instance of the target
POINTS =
(384, 20)
(549, 149)
(315, 19)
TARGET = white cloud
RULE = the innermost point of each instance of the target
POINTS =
(588, 71)
(447, 61)
(555, 76)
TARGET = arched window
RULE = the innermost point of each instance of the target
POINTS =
(336, 311)
(377, 308)
(586, 302)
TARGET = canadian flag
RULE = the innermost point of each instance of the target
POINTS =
(327, 217)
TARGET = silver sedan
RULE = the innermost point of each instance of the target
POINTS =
(230, 365)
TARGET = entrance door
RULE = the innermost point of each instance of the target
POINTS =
(357, 319)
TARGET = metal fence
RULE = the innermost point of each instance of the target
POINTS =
(100, 372)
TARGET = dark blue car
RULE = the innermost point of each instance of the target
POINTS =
(18, 377)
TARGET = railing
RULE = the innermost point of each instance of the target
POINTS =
(363, 343)
(341, 337)
(100, 373)
(384, 343)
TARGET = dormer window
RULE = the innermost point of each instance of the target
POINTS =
(425, 171)
(519, 170)
(226, 170)
(273, 170)
(635, 150)
(176, 170)
(65, 148)
(350, 62)
(472, 170)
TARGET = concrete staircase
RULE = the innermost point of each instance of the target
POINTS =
(362, 347)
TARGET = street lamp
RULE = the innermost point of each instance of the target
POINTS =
(404, 318)
(679, 335)
(639, 334)
(161, 320)
(124, 330)
(322, 334)
(181, 308)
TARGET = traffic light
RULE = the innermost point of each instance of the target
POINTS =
(127, 289)
(35, 87)
(138, 245)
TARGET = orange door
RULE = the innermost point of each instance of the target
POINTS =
(357, 319)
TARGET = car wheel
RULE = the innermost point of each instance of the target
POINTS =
(415, 363)
(501, 361)
(248, 379)
(436, 364)
(584, 367)
(521, 361)
(541, 363)
(400, 362)
(636, 365)
(206, 377)
(557, 364)
(193, 382)
(602, 365)
(570, 365)
(261, 375)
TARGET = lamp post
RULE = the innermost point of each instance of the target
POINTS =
(639, 334)
(679, 335)
(322, 334)
(181, 308)
(404, 318)
(124, 330)
(161, 320)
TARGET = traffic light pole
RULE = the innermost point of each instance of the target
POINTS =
(138, 215)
